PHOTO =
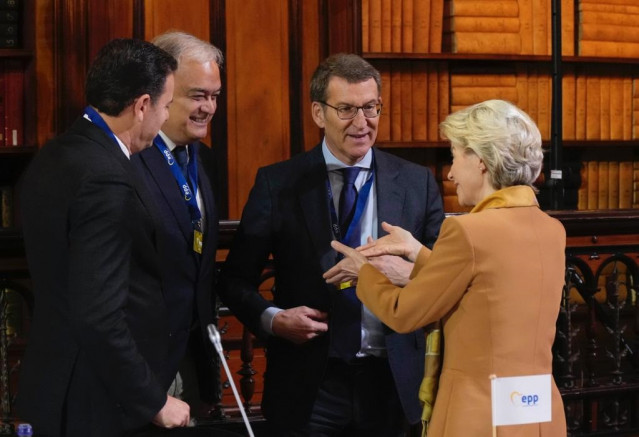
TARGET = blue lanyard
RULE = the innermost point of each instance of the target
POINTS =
(362, 198)
(189, 196)
(99, 122)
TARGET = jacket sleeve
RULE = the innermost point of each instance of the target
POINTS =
(438, 283)
(241, 274)
(99, 278)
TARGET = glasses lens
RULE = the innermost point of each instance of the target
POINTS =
(347, 112)
(371, 111)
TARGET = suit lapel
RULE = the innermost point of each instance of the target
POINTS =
(210, 210)
(390, 194)
(313, 199)
(165, 181)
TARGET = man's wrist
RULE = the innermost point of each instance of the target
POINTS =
(266, 319)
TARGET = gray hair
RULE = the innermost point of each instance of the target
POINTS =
(184, 46)
(501, 135)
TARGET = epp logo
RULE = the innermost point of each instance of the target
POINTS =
(169, 156)
(522, 400)
(187, 191)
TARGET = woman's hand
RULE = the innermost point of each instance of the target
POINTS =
(398, 242)
(347, 269)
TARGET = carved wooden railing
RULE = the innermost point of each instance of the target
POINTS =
(596, 350)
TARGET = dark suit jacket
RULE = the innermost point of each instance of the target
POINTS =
(287, 215)
(98, 337)
(187, 277)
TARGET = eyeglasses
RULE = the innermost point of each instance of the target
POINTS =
(347, 112)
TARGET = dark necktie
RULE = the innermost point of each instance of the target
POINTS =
(182, 159)
(348, 198)
(346, 316)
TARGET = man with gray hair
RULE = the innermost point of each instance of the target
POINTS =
(176, 173)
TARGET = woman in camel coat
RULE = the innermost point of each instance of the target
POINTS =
(494, 276)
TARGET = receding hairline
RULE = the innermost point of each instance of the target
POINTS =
(185, 47)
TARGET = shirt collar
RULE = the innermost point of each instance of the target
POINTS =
(124, 148)
(332, 163)
(169, 143)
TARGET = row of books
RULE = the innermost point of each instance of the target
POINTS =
(11, 103)
(608, 185)
(464, 26)
(402, 26)
(10, 23)
(416, 100)
(599, 107)
(6, 206)
(527, 86)
(418, 95)
(609, 28)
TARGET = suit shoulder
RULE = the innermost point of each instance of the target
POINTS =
(80, 152)
(293, 168)
(401, 163)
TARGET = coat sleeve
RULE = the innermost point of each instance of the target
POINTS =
(99, 278)
(241, 274)
(438, 283)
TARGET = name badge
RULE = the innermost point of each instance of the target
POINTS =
(197, 241)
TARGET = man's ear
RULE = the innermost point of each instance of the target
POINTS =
(317, 111)
(141, 106)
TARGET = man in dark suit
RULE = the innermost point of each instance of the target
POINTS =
(98, 338)
(189, 223)
(317, 382)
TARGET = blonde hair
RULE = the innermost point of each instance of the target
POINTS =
(503, 136)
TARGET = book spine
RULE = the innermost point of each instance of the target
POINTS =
(625, 184)
(610, 32)
(396, 27)
(613, 185)
(420, 101)
(421, 26)
(375, 26)
(396, 104)
(436, 25)
(365, 26)
(593, 110)
(432, 112)
(485, 24)
(593, 184)
(485, 42)
(14, 102)
(383, 131)
(568, 27)
(484, 8)
(407, 26)
(568, 104)
(386, 26)
(407, 102)
(6, 206)
(604, 108)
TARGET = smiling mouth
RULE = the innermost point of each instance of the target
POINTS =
(358, 136)
(200, 120)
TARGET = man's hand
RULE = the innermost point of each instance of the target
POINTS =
(173, 414)
(299, 324)
(395, 268)
(348, 268)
